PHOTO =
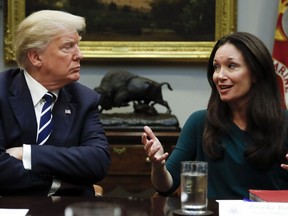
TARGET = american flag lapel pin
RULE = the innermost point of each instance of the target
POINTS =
(67, 111)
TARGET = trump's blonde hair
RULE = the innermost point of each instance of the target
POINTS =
(37, 30)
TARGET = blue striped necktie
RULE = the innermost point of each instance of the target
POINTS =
(45, 124)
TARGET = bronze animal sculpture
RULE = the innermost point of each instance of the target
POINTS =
(118, 88)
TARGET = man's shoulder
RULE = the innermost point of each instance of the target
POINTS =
(12, 72)
(79, 87)
(9, 76)
(81, 90)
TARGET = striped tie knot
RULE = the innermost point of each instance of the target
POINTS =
(48, 97)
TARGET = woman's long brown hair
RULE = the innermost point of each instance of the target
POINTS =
(266, 127)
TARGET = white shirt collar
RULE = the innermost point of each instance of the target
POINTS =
(37, 91)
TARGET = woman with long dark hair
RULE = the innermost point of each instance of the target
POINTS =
(243, 132)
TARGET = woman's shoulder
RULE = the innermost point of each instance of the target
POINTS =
(199, 114)
(197, 117)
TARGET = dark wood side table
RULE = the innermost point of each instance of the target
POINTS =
(129, 173)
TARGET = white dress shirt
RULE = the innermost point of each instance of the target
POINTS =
(37, 92)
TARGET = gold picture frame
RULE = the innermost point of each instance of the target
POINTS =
(192, 51)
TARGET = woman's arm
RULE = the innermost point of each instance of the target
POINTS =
(160, 177)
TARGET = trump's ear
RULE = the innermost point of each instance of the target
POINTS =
(34, 58)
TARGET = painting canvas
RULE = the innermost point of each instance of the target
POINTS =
(144, 29)
(139, 20)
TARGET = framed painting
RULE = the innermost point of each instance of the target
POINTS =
(176, 30)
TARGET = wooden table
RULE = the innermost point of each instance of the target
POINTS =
(55, 206)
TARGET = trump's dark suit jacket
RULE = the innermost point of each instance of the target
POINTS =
(76, 152)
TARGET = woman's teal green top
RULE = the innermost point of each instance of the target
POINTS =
(229, 177)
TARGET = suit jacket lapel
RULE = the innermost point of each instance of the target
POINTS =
(64, 112)
(22, 106)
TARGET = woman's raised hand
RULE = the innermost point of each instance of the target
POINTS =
(153, 148)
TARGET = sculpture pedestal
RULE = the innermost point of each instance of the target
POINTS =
(136, 122)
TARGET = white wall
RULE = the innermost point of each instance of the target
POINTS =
(190, 87)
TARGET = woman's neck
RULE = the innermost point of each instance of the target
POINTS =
(239, 114)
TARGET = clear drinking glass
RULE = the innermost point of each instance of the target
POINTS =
(194, 187)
